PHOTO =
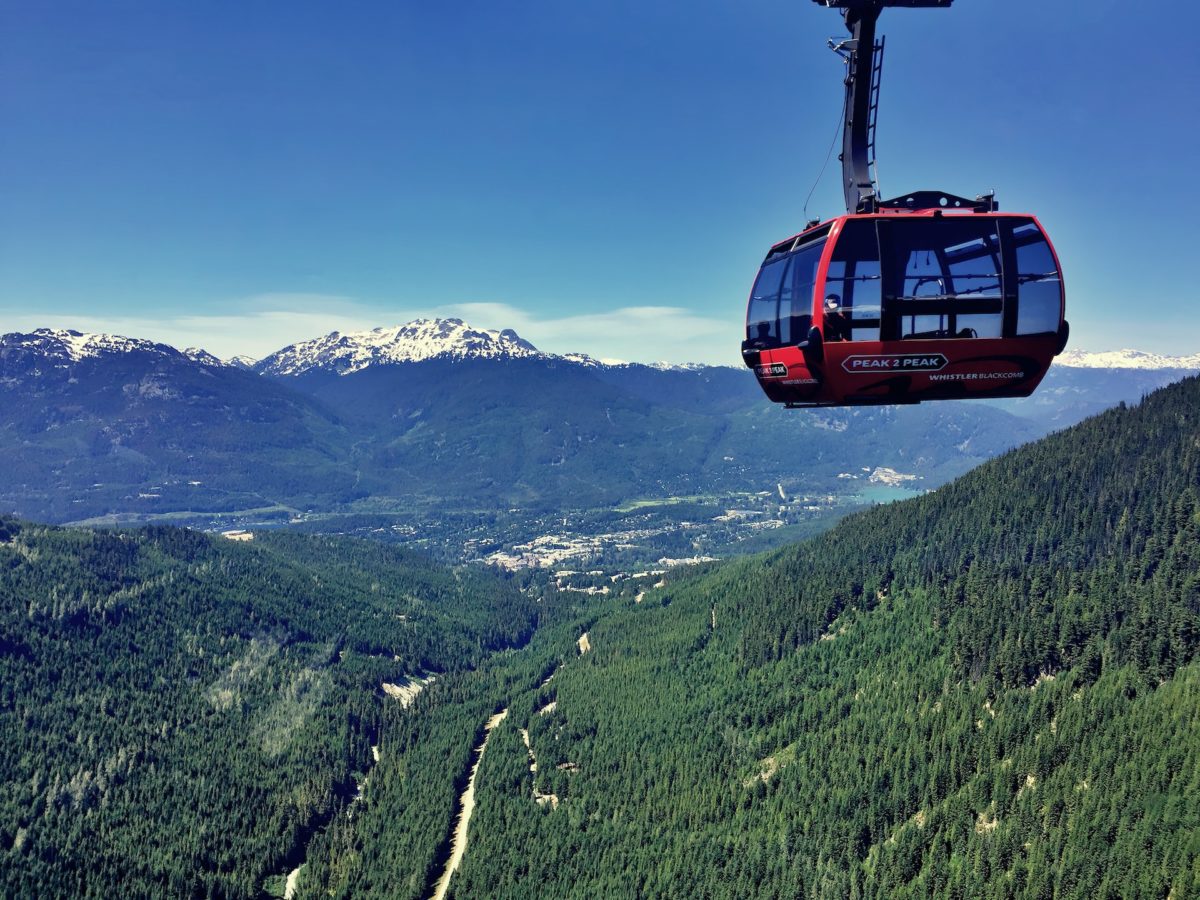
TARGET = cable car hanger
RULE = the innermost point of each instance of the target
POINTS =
(926, 296)
(863, 54)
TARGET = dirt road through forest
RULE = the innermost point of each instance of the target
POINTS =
(458, 844)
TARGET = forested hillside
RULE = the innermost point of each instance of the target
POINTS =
(992, 691)
(140, 432)
(557, 435)
(150, 430)
(179, 714)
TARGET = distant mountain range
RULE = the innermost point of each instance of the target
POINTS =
(1127, 359)
(417, 341)
(63, 348)
(345, 353)
(91, 423)
(423, 339)
(436, 412)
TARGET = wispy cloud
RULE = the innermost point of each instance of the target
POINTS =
(257, 326)
(637, 333)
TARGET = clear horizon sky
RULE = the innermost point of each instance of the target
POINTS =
(602, 178)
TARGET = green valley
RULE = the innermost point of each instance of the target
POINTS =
(991, 691)
(179, 713)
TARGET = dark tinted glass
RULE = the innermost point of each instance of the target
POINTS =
(1039, 292)
(853, 284)
(942, 277)
(781, 302)
(800, 300)
(762, 322)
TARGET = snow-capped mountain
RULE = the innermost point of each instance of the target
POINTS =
(339, 352)
(688, 367)
(582, 359)
(1126, 359)
(416, 341)
(128, 426)
(65, 347)
(197, 354)
(426, 339)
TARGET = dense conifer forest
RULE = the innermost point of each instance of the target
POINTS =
(991, 691)
(179, 713)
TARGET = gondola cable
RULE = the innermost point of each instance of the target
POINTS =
(828, 156)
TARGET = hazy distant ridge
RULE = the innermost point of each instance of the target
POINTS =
(1126, 359)
(424, 339)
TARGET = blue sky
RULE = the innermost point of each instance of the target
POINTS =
(604, 178)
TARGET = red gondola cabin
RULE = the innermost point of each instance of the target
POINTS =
(906, 305)
(927, 296)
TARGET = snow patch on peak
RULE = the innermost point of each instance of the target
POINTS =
(1126, 359)
(679, 367)
(413, 342)
(67, 345)
(202, 356)
(582, 359)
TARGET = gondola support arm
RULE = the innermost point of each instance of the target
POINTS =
(863, 55)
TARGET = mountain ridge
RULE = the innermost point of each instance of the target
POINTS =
(66, 346)
(420, 340)
(124, 427)
(1126, 358)
(416, 341)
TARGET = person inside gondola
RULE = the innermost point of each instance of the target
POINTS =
(837, 323)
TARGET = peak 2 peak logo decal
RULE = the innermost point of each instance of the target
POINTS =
(771, 370)
(895, 362)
